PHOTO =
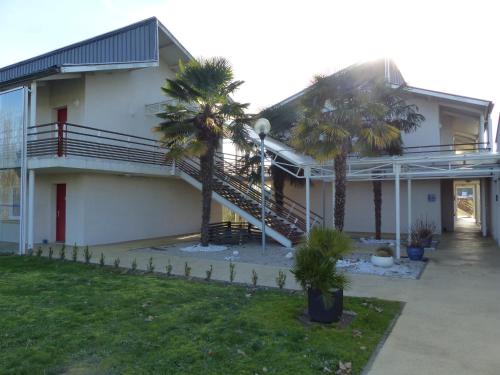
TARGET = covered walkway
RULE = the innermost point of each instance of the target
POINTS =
(451, 321)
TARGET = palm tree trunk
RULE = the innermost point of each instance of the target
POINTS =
(206, 174)
(340, 189)
(377, 201)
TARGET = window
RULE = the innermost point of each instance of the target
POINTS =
(15, 211)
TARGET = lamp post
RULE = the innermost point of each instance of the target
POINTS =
(262, 127)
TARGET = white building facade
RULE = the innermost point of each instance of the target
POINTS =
(80, 163)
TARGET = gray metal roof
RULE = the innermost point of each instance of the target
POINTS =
(131, 44)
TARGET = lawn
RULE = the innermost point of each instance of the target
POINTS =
(61, 317)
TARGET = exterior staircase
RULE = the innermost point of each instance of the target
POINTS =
(285, 224)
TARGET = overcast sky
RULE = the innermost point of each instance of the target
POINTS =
(277, 46)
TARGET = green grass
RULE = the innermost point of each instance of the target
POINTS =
(62, 317)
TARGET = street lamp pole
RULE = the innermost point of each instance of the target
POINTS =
(262, 127)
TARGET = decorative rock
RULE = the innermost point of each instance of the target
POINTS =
(236, 253)
(289, 255)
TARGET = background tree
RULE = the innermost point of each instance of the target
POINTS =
(406, 118)
(343, 114)
(203, 114)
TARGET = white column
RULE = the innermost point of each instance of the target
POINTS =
(490, 134)
(483, 207)
(307, 172)
(333, 204)
(481, 130)
(409, 210)
(31, 208)
(397, 169)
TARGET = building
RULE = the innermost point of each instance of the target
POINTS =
(81, 165)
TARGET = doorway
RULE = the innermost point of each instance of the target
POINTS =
(60, 212)
(467, 195)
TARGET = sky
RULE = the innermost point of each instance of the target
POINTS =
(277, 46)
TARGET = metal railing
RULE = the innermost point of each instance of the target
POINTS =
(66, 139)
(60, 139)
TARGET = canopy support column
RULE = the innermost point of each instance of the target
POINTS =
(307, 173)
(409, 210)
(333, 204)
(482, 183)
(31, 207)
(397, 170)
(481, 132)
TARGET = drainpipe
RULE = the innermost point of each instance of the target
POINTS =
(307, 173)
(484, 229)
(409, 210)
(397, 170)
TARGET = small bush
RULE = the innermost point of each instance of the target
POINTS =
(150, 268)
(51, 252)
(30, 252)
(39, 251)
(87, 255)
(209, 273)
(281, 279)
(169, 268)
(74, 254)
(232, 271)
(116, 263)
(255, 277)
(187, 270)
(102, 260)
(384, 251)
(133, 267)
(62, 252)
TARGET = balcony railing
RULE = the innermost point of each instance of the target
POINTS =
(78, 140)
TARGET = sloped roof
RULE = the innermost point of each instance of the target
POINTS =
(133, 44)
(383, 68)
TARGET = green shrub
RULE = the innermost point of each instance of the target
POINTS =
(169, 268)
(255, 277)
(315, 260)
(187, 270)
(39, 251)
(384, 251)
(51, 252)
(74, 254)
(62, 252)
(102, 260)
(209, 273)
(150, 268)
(232, 271)
(87, 255)
(116, 263)
(133, 267)
(281, 279)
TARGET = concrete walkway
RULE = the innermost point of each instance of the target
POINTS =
(451, 321)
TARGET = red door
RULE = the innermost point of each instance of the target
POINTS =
(62, 115)
(62, 118)
(61, 213)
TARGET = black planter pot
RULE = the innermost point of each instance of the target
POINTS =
(330, 313)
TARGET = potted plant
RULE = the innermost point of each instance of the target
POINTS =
(383, 257)
(315, 270)
(425, 229)
(415, 250)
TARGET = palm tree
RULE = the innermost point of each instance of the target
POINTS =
(203, 114)
(406, 118)
(343, 114)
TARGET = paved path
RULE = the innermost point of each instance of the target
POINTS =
(451, 321)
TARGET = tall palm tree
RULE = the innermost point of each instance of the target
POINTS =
(343, 115)
(406, 118)
(203, 114)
